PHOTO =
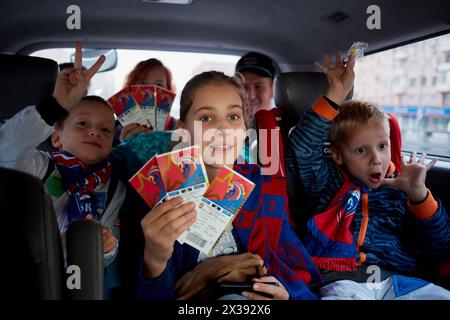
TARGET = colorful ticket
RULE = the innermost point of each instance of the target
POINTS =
(221, 202)
(126, 108)
(183, 173)
(148, 183)
(144, 104)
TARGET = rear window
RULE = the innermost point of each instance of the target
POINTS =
(183, 65)
(413, 83)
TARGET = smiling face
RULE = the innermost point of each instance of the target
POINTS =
(259, 91)
(87, 132)
(219, 109)
(365, 152)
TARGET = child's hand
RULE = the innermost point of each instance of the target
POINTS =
(340, 77)
(412, 178)
(109, 240)
(161, 227)
(277, 292)
(133, 129)
(72, 83)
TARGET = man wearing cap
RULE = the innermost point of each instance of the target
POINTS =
(258, 71)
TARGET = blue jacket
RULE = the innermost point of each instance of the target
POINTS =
(395, 235)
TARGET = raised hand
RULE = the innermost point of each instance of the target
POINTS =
(161, 227)
(412, 177)
(340, 77)
(276, 292)
(71, 84)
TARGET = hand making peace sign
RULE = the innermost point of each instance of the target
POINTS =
(72, 83)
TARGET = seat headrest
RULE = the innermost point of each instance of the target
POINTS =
(295, 92)
(24, 81)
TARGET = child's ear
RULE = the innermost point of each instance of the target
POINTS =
(56, 140)
(336, 155)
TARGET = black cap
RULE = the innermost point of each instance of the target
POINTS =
(257, 63)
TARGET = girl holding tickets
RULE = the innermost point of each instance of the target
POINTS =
(259, 247)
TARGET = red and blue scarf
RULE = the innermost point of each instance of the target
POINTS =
(79, 181)
(263, 228)
(329, 239)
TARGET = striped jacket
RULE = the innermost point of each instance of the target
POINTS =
(397, 232)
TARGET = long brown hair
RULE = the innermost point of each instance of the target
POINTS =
(213, 77)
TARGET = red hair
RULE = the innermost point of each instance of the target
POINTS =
(143, 67)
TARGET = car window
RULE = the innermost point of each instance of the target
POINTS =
(183, 66)
(413, 83)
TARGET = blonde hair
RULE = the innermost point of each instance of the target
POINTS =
(351, 114)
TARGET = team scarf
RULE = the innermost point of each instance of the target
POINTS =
(262, 227)
(329, 239)
(79, 181)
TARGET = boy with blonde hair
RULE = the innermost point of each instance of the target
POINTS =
(364, 216)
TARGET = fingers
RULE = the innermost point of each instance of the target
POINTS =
(351, 63)
(133, 129)
(93, 70)
(183, 224)
(320, 67)
(327, 63)
(175, 218)
(277, 290)
(327, 60)
(422, 158)
(158, 211)
(163, 217)
(169, 219)
(125, 132)
(339, 60)
(78, 55)
(431, 164)
(388, 182)
(412, 157)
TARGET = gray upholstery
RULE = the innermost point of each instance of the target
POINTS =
(295, 92)
(24, 81)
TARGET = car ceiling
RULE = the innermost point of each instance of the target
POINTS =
(294, 33)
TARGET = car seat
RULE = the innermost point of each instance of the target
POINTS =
(32, 257)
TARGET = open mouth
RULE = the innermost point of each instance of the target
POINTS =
(375, 177)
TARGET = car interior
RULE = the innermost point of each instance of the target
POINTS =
(293, 33)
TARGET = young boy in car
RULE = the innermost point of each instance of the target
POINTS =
(369, 228)
(77, 176)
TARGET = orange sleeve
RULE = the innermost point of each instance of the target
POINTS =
(324, 109)
(426, 209)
